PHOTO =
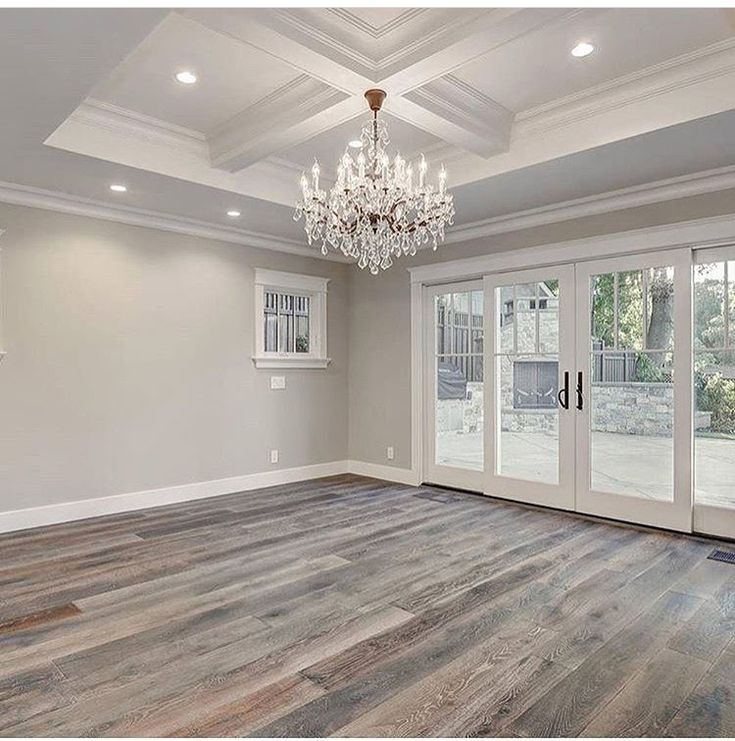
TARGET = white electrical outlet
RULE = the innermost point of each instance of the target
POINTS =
(390, 453)
(274, 456)
(278, 383)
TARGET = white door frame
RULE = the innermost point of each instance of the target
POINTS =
(561, 495)
(711, 233)
(454, 476)
(677, 513)
(709, 518)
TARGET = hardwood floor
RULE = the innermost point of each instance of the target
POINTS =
(355, 607)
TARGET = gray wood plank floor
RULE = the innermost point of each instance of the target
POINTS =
(349, 606)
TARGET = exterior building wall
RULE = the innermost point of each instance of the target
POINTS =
(633, 408)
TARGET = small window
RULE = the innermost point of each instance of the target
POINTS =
(291, 320)
(286, 319)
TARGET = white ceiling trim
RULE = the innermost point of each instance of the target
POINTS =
(695, 234)
(698, 183)
(640, 195)
(127, 138)
(326, 62)
(700, 65)
(346, 15)
(22, 195)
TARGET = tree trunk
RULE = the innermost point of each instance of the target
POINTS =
(661, 320)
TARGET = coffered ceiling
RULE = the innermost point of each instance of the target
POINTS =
(493, 93)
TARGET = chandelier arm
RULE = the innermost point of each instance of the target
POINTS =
(376, 213)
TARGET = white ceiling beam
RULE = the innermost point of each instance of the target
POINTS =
(255, 134)
(444, 128)
(299, 110)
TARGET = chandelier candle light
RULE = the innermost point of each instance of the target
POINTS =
(377, 209)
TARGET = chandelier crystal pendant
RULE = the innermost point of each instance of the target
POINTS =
(378, 208)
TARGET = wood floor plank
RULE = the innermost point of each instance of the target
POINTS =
(709, 710)
(349, 605)
(650, 699)
(573, 702)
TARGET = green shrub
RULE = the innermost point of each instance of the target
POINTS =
(716, 395)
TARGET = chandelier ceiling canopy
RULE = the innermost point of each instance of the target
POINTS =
(379, 208)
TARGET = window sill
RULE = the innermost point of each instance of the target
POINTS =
(290, 361)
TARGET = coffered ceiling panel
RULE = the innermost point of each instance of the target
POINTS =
(537, 67)
(231, 76)
(89, 98)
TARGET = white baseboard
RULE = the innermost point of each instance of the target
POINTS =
(22, 519)
(389, 473)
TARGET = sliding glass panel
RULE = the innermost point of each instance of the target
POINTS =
(714, 383)
(632, 392)
(527, 361)
(459, 380)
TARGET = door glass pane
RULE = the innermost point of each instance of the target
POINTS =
(714, 384)
(527, 377)
(632, 393)
(459, 380)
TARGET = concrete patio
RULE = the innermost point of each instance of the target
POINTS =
(636, 465)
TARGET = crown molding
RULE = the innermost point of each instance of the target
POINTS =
(641, 195)
(700, 65)
(126, 137)
(659, 191)
(23, 195)
(348, 16)
(693, 234)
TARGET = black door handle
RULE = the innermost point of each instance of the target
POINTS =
(580, 386)
(563, 395)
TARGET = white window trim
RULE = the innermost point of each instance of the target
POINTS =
(305, 285)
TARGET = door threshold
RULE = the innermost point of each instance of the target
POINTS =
(581, 515)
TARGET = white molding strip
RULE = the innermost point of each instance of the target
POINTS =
(388, 473)
(696, 233)
(684, 186)
(23, 195)
(698, 183)
(289, 362)
(52, 514)
(22, 519)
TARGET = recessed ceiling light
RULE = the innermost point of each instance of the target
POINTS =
(582, 49)
(233, 213)
(356, 143)
(186, 77)
(119, 188)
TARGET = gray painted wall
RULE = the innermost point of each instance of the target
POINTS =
(380, 333)
(129, 365)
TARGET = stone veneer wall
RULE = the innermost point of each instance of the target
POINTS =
(633, 408)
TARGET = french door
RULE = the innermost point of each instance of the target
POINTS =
(530, 430)
(568, 386)
(634, 432)
(455, 358)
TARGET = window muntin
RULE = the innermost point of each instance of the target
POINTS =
(286, 323)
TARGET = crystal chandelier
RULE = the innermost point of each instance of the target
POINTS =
(377, 209)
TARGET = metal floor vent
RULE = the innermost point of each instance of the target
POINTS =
(726, 556)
